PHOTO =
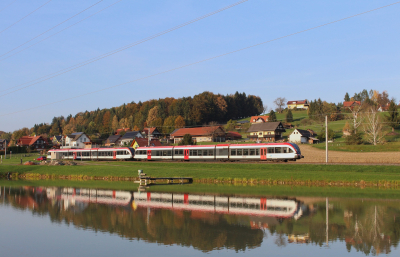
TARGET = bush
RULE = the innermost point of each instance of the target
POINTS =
(306, 122)
(355, 138)
(187, 140)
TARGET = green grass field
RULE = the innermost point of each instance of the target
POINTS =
(216, 170)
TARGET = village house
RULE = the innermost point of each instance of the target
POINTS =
(298, 104)
(129, 137)
(383, 108)
(153, 132)
(202, 134)
(258, 119)
(36, 143)
(231, 135)
(113, 140)
(267, 131)
(241, 123)
(76, 140)
(123, 130)
(3, 144)
(57, 140)
(351, 104)
(142, 142)
(303, 136)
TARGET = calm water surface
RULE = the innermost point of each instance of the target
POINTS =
(39, 221)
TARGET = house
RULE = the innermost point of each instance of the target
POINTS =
(119, 131)
(202, 134)
(129, 136)
(303, 136)
(113, 140)
(299, 104)
(267, 131)
(142, 142)
(258, 119)
(240, 123)
(383, 108)
(231, 135)
(351, 104)
(3, 144)
(154, 133)
(76, 140)
(36, 142)
(57, 140)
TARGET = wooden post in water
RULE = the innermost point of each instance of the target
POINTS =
(327, 221)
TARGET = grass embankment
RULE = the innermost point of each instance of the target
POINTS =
(234, 172)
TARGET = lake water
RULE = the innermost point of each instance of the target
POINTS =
(40, 221)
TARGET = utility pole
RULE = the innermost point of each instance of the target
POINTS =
(326, 137)
(5, 152)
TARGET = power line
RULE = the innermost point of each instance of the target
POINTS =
(25, 16)
(84, 63)
(56, 33)
(51, 28)
(197, 62)
(8, 5)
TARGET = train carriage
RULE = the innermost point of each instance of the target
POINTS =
(123, 153)
(154, 153)
(194, 152)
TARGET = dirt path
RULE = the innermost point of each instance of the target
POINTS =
(312, 154)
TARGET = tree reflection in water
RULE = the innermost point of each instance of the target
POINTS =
(370, 227)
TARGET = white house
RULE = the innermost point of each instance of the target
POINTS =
(303, 136)
(76, 140)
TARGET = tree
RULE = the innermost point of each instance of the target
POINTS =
(347, 97)
(115, 123)
(169, 125)
(355, 138)
(289, 116)
(373, 127)
(393, 117)
(152, 116)
(280, 102)
(322, 134)
(272, 116)
(230, 125)
(179, 122)
(187, 140)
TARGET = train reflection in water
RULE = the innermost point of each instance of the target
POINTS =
(279, 208)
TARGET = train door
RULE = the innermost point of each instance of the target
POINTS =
(186, 154)
(115, 155)
(148, 154)
(263, 204)
(75, 155)
(263, 153)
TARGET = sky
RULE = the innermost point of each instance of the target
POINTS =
(47, 39)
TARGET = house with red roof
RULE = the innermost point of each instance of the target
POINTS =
(351, 104)
(200, 134)
(298, 104)
(153, 132)
(258, 119)
(231, 135)
(142, 142)
(37, 143)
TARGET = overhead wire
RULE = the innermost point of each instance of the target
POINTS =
(59, 24)
(25, 16)
(7, 5)
(204, 60)
(100, 57)
(58, 32)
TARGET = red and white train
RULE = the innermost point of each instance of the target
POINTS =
(221, 152)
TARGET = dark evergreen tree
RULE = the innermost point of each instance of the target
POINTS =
(289, 116)
(272, 116)
(393, 115)
(187, 140)
(347, 97)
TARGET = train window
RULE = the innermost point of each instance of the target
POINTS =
(252, 151)
(176, 152)
(210, 152)
(205, 152)
(94, 153)
(222, 151)
(239, 151)
(257, 151)
(200, 153)
(284, 149)
(194, 152)
(233, 152)
(290, 150)
(245, 151)
(278, 150)
(271, 150)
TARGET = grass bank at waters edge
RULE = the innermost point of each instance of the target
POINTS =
(265, 171)
(264, 191)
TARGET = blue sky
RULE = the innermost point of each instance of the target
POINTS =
(325, 63)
